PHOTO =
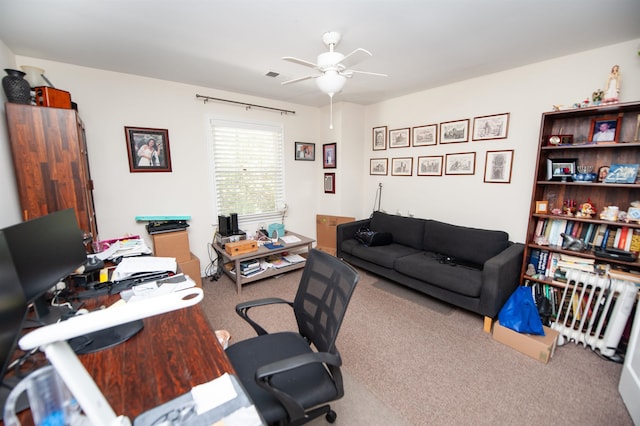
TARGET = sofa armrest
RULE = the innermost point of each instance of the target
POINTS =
(500, 277)
(346, 231)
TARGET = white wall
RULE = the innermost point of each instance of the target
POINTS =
(109, 101)
(525, 93)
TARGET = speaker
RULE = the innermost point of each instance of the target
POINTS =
(224, 225)
(234, 223)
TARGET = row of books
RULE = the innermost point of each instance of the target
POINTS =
(250, 268)
(554, 265)
(577, 303)
(602, 235)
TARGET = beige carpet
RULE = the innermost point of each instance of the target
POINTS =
(412, 360)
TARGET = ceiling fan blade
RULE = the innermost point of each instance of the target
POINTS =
(300, 62)
(295, 80)
(349, 73)
(355, 57)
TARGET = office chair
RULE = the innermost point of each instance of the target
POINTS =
(289, 375)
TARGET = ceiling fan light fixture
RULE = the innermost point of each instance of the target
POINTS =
(331, 82)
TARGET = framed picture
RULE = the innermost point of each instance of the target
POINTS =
(637, 136)
(380, 138)
(454, 131)
(402, 166)
(604, 129)
(603, 171)
(329, 183)
(148, 149)
(399, 138)
(305, 151)
(430, 166)
(542, 207)
(561, 168)
(622, 173)
(463, 163)
(329, 159)
(490, 127)
(378, 166)
(497, 167)
(425, 135)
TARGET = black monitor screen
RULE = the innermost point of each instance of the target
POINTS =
(45, 250)
(13, 306)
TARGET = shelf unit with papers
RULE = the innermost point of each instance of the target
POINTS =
(232, 263)
(580, 123)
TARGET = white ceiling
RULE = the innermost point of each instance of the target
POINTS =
(232, 44)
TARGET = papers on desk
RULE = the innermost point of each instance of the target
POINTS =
(140, 264)
(290, 239)
(125, 248)
(156, 288)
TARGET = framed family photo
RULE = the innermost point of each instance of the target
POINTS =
(399, 138)
(498, 165)
(305, 151)
(490, 127)
(430, 166)
(425, 135)
(148, 149)
(463, 163)
(605, 129)
(378, 166)
(329, 160)
(454, 131)
(380, 138)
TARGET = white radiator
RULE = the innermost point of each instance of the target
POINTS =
(594, 310)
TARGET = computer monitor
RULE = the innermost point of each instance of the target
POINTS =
(45, 250)
(13, 309)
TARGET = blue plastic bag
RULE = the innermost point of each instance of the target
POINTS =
(520, 313)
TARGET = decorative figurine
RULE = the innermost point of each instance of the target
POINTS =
(572, 243)
(612, 87)
(586, 210)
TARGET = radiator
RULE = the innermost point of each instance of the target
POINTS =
(594, 310)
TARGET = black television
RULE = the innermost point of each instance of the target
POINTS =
(45, 250)
(13, 309)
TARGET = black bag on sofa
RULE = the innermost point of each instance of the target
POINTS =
(370, 238)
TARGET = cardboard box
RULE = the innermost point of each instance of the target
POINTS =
(326, 231)
(172, 244)
(537, 347)
(192, 268)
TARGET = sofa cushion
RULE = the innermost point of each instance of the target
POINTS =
(382, 255)
(429, 267)
(408, 231)
(467, 245)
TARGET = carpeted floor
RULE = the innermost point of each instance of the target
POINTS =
(412, 360)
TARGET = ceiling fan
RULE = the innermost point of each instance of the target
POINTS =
(333, 67)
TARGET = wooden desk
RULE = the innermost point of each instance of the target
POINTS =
(172, 353)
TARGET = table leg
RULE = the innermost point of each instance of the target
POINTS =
(238, 276)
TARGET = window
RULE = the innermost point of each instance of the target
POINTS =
(248, 168)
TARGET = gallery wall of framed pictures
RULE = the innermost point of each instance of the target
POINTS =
(498, 163)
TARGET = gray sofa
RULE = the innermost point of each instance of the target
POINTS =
(474, 269)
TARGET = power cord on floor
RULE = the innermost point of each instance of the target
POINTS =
(214, 269)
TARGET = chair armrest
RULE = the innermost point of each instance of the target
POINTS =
(500, 277)
(263, 378)
(242, 309)
(346, 231)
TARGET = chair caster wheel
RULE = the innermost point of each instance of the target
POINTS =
(331, 416)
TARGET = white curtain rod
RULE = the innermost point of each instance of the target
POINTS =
(248, 106)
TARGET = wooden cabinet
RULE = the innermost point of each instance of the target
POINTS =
(563, 193)
(51, 163)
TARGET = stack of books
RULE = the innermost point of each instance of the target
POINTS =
(250, 267)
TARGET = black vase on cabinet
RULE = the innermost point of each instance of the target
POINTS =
(16, 88)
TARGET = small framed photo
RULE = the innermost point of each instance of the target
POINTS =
(561, 169)
(378, 166)
(305, 151)
(380, 138)
(399, 138)
(329, 160)
(148, 149)
(425, 135)
(542, 207)
(402, 166)
(498, 165)
(329, 183)
(603, 171)
(430, 166)
(454, 131)
(463, 163)
(490, 127)
(604, 129)
(633, 214)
